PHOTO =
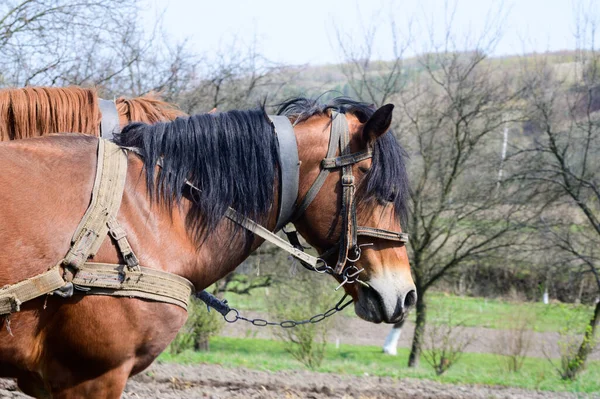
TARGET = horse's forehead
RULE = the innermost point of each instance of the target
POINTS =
(320, 124)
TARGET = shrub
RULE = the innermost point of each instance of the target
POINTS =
(571, 338)
(445, 341)
(299, 299)
(515, 340)
(199, 327)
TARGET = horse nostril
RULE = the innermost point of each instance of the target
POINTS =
(410, 299)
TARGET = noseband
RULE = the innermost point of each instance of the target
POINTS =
(347, 247)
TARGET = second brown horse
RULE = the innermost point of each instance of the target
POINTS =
(38, 111)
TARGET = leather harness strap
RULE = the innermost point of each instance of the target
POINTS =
(109, 124)
(289, 168)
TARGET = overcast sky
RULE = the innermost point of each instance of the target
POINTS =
(304, 31)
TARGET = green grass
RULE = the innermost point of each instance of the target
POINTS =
(473, 368)
(472, 312)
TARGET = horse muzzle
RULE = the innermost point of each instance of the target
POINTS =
(383, 301)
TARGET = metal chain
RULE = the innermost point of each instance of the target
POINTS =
(289, 323)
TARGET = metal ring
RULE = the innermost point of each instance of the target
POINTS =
(357, 253)
(324, 269)
(236, 316)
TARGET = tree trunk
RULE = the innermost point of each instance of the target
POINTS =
(202, 345)
(586, 347)
(417, 344)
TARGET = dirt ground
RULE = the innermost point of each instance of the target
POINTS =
(170, 381)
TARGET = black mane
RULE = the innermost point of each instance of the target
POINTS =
(387, 180)
(233, 157)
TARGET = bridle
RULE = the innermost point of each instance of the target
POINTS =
(347, 247)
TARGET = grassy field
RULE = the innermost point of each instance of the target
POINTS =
(472, 312)
(473, 368)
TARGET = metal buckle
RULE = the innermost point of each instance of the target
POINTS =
(347, 180)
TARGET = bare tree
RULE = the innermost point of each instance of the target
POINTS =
(237, 76)
(88, 42)
(563, 159)
(369, 79)
(454, 116)
(453, 105)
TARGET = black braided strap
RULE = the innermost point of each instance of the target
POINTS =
(213, 302)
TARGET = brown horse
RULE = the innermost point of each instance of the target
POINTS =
(87, 346)
(38, 111)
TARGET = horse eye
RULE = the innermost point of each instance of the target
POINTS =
(392, 196)
(363, 169)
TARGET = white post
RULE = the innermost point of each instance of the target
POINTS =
(390, 347)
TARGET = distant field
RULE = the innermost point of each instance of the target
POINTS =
(472, 312)
(473, 368)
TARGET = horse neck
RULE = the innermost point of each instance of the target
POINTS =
(162, 241)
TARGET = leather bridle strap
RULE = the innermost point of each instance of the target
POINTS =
(334, 138)
(381, 233)
(348, 235)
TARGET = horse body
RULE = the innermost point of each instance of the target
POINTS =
(73, 342)
(90, 345)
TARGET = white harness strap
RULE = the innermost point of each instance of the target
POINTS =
(109, 125)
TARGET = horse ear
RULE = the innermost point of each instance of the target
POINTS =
(378, 123)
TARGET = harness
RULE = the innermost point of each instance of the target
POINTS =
(129, 279)
(347, 247)
(109, 124)
(75, 272)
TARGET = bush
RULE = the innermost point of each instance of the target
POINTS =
(299, 299)
(571, 337)
(515, 340)
(445, 341)
(199, 327)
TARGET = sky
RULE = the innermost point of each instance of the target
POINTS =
(305, 31)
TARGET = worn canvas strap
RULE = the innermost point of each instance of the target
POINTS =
(12, 296)
(109, 124)
(265, 234)
(109, 184)
(129, 280)
(118, 280)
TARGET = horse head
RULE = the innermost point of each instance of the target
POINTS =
(353, 216)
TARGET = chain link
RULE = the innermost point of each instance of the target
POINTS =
(234, 315)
